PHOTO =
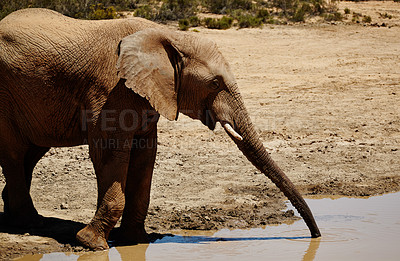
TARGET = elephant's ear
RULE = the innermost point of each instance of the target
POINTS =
(151, 65)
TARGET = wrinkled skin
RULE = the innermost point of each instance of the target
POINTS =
(60, 86)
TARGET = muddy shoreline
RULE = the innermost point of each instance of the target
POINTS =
(324, 99)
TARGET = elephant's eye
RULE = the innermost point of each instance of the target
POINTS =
(215, 84)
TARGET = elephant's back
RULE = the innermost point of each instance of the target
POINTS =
(46, 21)
(31, 14)
(37, 24)
(48, 49)
(34, 19)
(27, 34)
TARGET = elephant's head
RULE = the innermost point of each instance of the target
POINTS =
(179, 72)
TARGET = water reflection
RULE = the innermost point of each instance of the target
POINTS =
(312, 249)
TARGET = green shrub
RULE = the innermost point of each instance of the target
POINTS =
(194, 21)
(98, 11)
(224, 6)
(318, 7)
(367, 19)
(263, 14)
(176, 9)
(335, 16)
(355, 18)
(296, 10)
(347, 10)
(236, 13)
(285, 5)
(210, 22)
(272, 21)
(184, 24)
(165, 14)
(300, 13)
(247, 21)
(224, 23)
(145, 11)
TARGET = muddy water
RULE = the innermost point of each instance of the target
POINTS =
(352, 229)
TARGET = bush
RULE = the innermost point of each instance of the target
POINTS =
(145, 11)
(356, 17)
(335, 16)
(263, 14)
(318, 7)
(298, 16)
(184, 24)
(194, 21)
(285, 5)
(296, 10)
(247, 21)
(210, 22)
(236, 13)
(223, 23)
(98, 12)
(224, 6)
(346, 11)
(367, 19)
(176, 9)
(272, 21)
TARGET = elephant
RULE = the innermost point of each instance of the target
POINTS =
(67, 82)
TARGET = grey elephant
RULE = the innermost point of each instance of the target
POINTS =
(66, 82)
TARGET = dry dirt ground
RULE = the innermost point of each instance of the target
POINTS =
(325, 99)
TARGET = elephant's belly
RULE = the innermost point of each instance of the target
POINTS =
(49, 129)
(58, 139)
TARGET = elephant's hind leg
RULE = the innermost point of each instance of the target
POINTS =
(18, 206)
(31, 158)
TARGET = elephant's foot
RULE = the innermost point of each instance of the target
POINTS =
(91, 239)
(134, 234)
(24, 219)
(23, 215)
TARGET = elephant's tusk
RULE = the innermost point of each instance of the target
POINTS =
(231, 131)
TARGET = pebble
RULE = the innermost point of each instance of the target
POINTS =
(64, 206)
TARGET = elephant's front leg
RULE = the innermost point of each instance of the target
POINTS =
(137, 196)
(111, 166)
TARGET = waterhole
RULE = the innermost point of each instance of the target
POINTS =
(352, 229)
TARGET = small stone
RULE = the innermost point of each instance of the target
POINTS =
(64, 206)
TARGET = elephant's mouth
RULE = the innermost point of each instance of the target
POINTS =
(208, 119)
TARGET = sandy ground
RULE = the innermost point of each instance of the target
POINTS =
(325, 99)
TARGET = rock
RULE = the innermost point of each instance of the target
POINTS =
(64, 205)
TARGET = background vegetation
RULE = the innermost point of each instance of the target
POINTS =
(243, 13)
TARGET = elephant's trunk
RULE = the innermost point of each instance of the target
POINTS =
(247, 139)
